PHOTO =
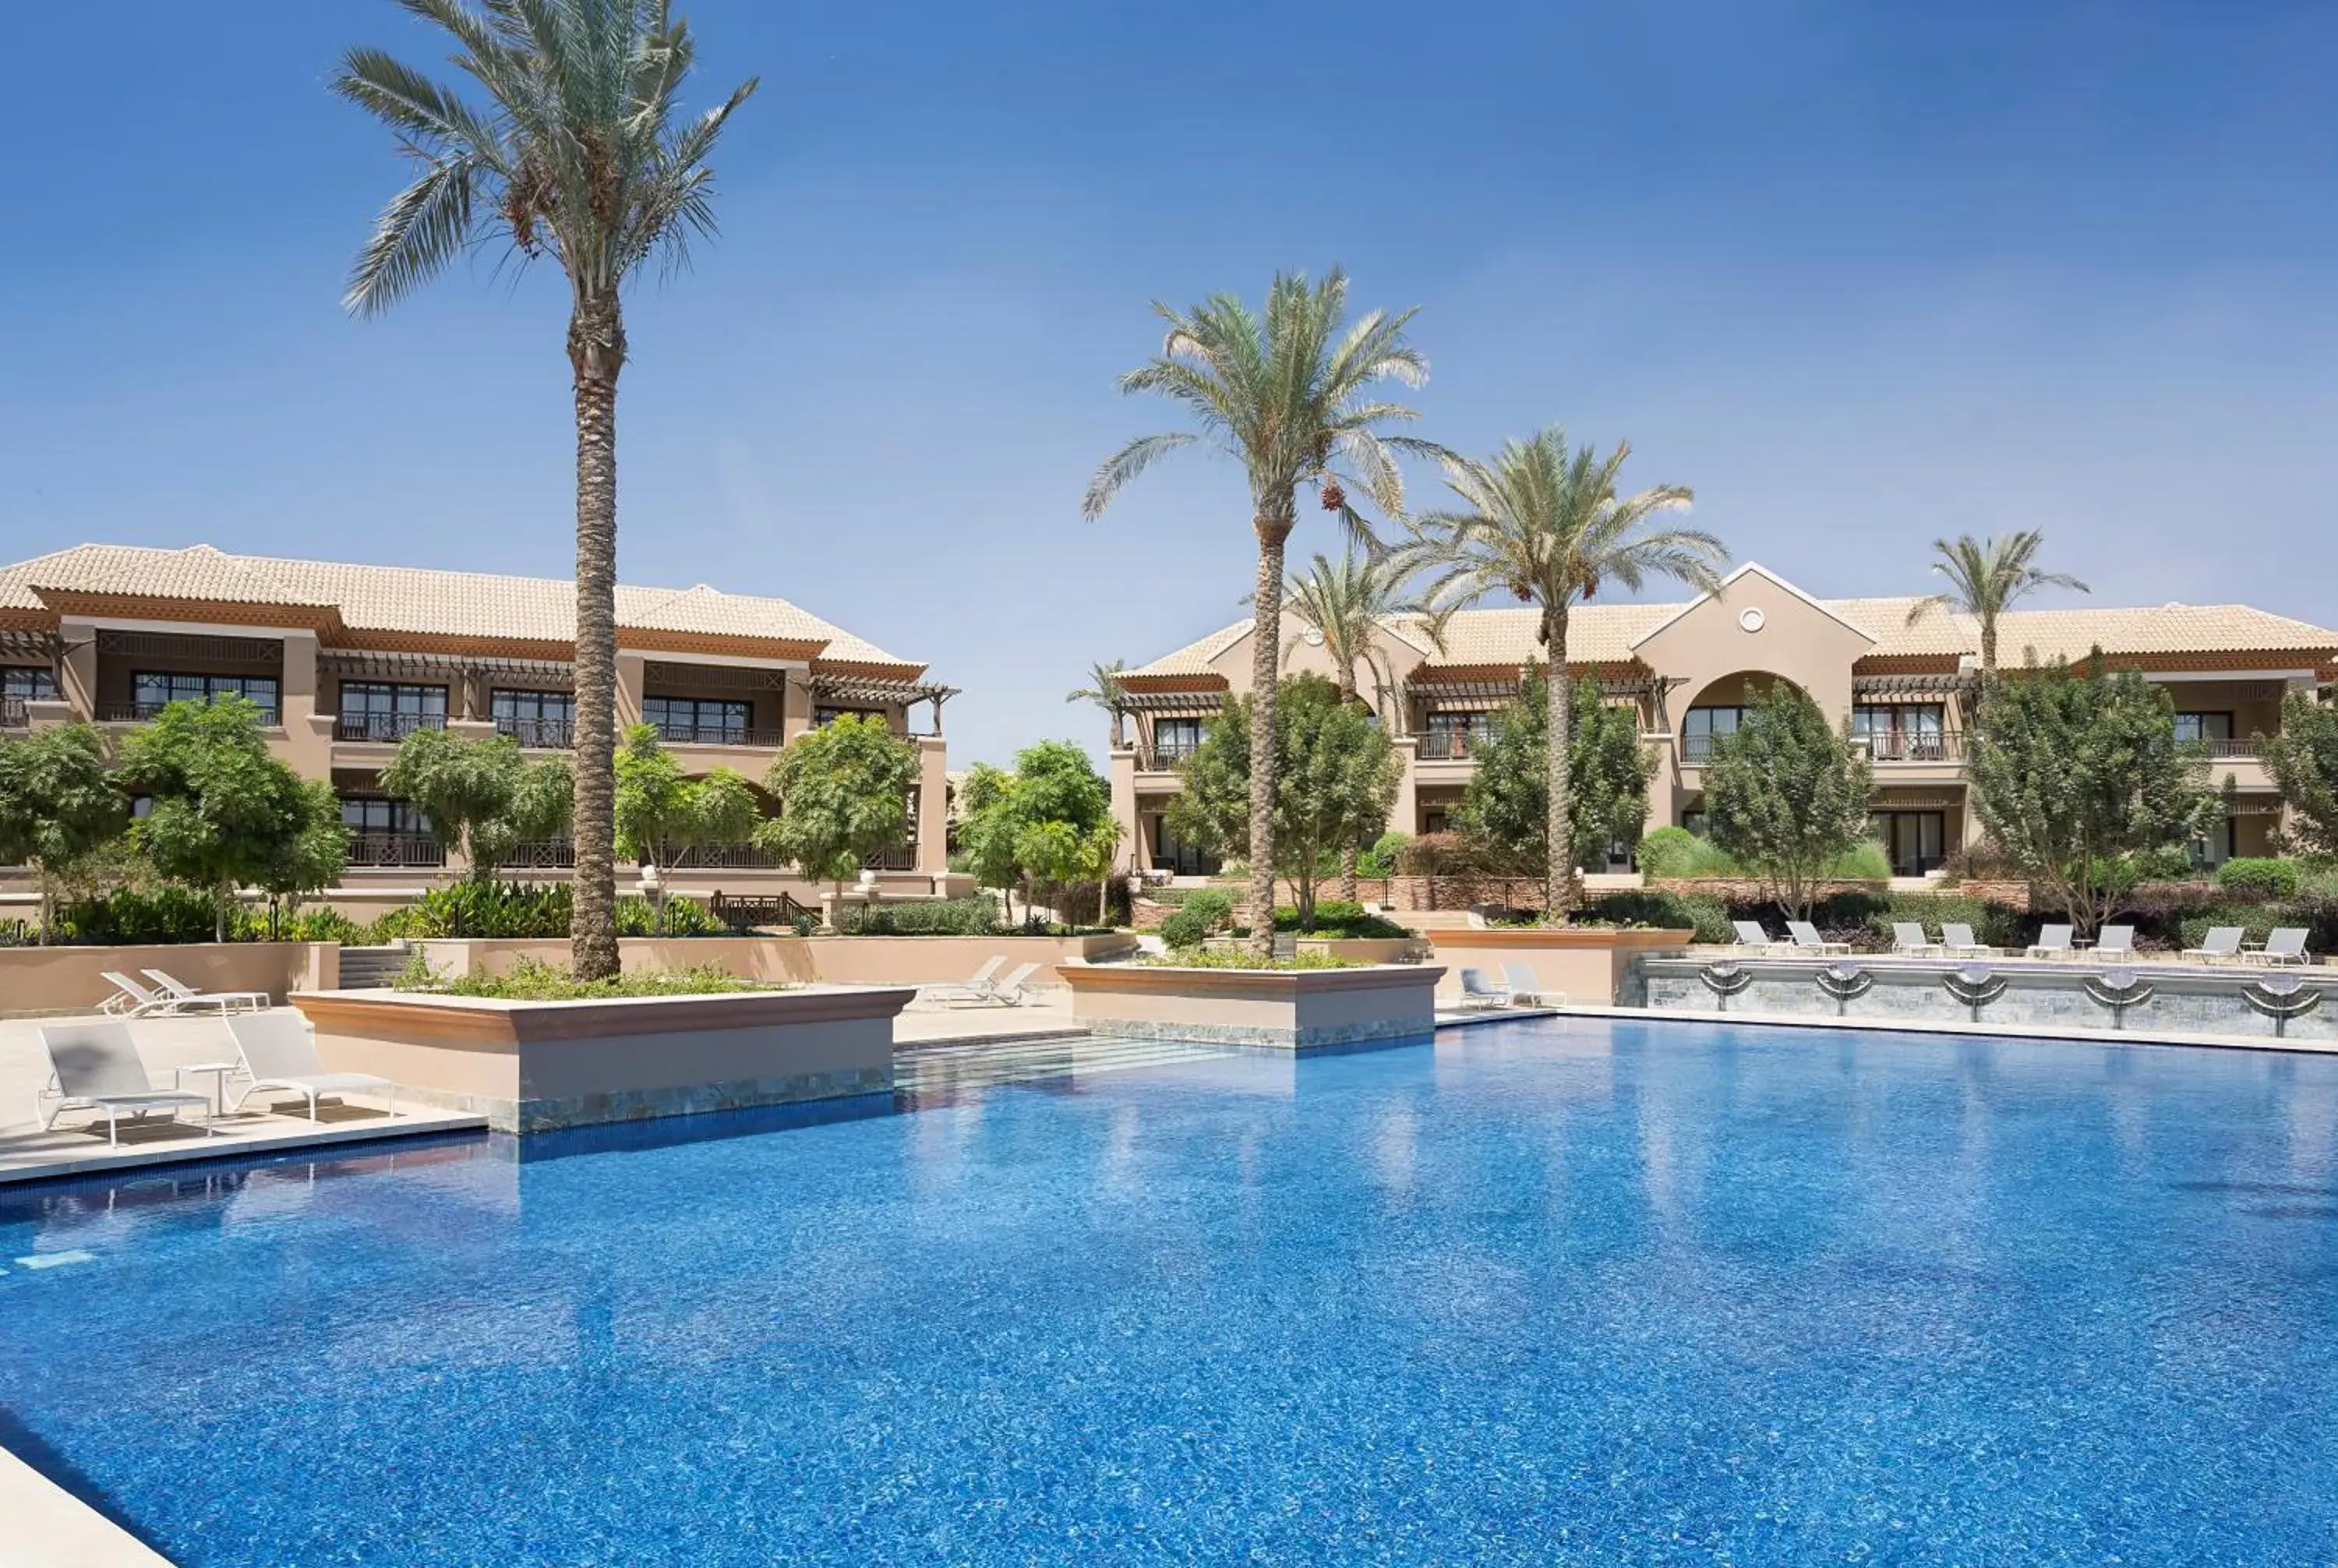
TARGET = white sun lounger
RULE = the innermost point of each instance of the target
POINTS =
(975, 987)
(2283, 945)
(1524, 986)
(1909, 941)
(1011, 992)
(96, 1067)
(1957, 941)
(129, 999)
(2221, 942)
(275, 1051)
(1477, 991)
(2115, 941)
(2053, 942)
(185, 995)
(1751, 934)
(1808, 940)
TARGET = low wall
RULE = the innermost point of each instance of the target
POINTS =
(1583, 963)
(2172, 998)
(535, 1066)
(39, 982)
(834, 960)
(1285, 1009)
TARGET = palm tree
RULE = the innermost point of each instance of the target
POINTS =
(1104, 689)
(1547, 525)
(1986, 578)
(1345, 601)
(1287, 395)
(580, 158)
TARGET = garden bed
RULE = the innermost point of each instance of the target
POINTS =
(1592, 963)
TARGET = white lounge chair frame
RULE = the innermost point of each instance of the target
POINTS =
(275, 1050)
(100, 1070)
(2221, 942)
(183, 995)
(1806, 939)
(1525, 986)
(2115, 941)
(1952, 945)
(2283, 944)
(1479, 991)
(975, 987)
(1921, 946)
(1750, 935)
(1011, 992)
(129, 999)
(2049, 946)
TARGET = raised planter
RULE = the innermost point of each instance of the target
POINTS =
(48, 981)
(1591, 964)
(837, 960)
(534, 1066)
(1286, 1009)
(1368, 949)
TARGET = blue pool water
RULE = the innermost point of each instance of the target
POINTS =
(1541, 1293)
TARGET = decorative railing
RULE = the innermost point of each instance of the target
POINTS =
(744, 914)
(726, 857)
(1915, 746)
(394, 850)
(13, 714)
(905, 859)
(2225, 748)
(1446, 745)
(385, 727)
(1166, 759)
(542, 855)
(717, 735)
(140, 713)
(544, 734)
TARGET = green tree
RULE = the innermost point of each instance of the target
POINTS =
(1786, 794)
(581, 156)
(1291, 395)
(224, 813)
(310, 858)
(1344, 603)
(2078, 779)
(662, 812)
(57, 805)
(482, 798)
(1048, 823)
(843, 792)
(1506, 809)
(1986, 578)
(2303, 761)
(1550, 527)
(1335, 777)
(1104, 690)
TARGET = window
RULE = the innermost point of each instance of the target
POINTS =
(374, 815)
(1176, 739)
(1901, 732)
(379, 711)
(706, 720)
(2216, 728)
(1696, 822)
(1178, 858)
(1912, 841)
(28, 685)
(825, 715)
(2217, 848)
(1454, 735)
(533, 717)
(1437, 820)
(151, 691)
(1701, 726)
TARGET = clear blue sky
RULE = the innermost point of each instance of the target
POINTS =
(1861, 273)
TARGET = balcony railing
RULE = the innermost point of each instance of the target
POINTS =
(542, 855)
(1916, 745)
(717, 735)
(544, 734)
(390, 728)
(726, 857)
(395, 849)
(2225, 748)
(1448, 745)
(140, 713)
(905, 859)
(13, 714)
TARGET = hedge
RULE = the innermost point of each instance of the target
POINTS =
(925, 917)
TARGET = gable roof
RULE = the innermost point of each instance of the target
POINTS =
(1756, 569)
(413, 600)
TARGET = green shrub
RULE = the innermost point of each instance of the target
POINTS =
(683, 917)
(1996, 924)
(1657, 906)
(1336, 917)
(1866, 863)
(2260, 876)
(1675, 852)
(922, 917)
(531, 981)
(1214, 906)
(1236, 959)
(311, 925)
(1383, 857)
(1184, 930)
(127, 917)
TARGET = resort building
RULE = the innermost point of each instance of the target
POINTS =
(345, 660)
(1688, 671)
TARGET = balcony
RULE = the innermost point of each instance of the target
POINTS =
(905, 859)
(395, 850)
(1915, 746)
(538, 734)
(727, 857)
(717, 735)
(1166, 759)
(541, 855)
(387, 728)
(2224, 748)
(141, 713)
(1449, 745)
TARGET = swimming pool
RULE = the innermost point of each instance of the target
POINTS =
(1542, 1292)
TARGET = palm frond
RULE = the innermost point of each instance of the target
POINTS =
(423, 228)
(1126, 463)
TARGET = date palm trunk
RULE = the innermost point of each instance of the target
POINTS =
(1558, 885)
(596, 352)
(1266, 648)
(1346, 851)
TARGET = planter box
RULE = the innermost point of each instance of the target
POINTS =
(1285, 1009)
(47, 981)
(534, 1066)
(1583, 963)
(836, 960)
(1368, 949)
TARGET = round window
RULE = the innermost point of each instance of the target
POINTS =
(1751, 618)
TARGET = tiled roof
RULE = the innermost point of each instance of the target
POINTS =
(421, 602)
(1604, 633)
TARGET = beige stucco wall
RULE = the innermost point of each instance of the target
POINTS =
(834, 960)
(61, 980)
